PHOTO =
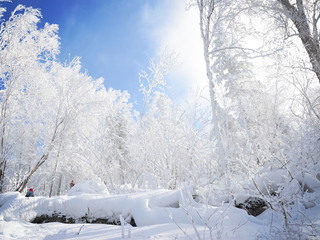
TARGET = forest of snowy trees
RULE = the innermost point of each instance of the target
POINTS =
(259, 117)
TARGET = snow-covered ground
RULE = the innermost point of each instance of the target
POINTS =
(158, 214)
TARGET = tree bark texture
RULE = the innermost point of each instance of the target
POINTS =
(299, 18)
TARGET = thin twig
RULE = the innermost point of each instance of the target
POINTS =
(80, 229)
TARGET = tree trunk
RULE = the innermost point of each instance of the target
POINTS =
(300, 20)
(54, 173)
(52, 181)
(2, 171)
(205, 20)
(60, 185)
(3, 162)
(23, 184)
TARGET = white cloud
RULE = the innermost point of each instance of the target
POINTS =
(177, 29)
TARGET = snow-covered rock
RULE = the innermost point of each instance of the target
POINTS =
(253, 205)
(308, 182)
(269, 182)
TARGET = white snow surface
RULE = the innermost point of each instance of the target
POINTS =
(158, 214)
(92, 187)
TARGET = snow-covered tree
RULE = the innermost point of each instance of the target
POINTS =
(25, 54)
(304, 15)
(114, 163)
(50, 112)
(222, 31)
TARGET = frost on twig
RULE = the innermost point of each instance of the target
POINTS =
(153, 79)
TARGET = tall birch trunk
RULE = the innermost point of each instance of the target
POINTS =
(310, 41)
(205, 20)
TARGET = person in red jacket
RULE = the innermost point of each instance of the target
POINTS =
(72, 184)
(30, 193)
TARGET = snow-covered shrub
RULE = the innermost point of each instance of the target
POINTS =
(147, 181)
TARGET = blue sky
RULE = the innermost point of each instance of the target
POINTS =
(116, 38)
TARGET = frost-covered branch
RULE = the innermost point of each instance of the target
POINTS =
(154, 79)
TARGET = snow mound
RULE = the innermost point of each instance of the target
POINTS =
(269, 182)
(88, 187)
(150, 210)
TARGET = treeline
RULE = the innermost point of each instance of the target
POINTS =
(57, 123)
